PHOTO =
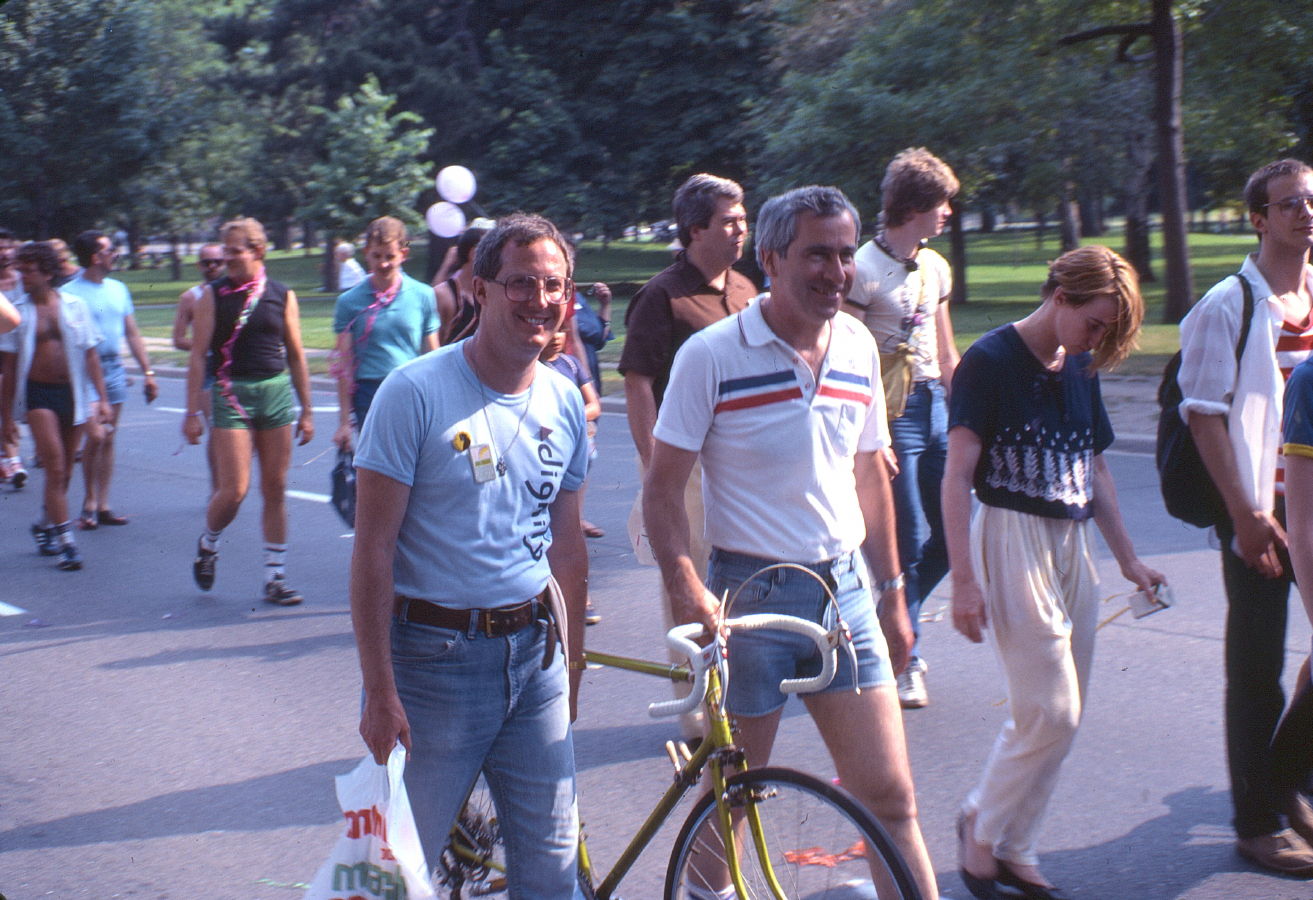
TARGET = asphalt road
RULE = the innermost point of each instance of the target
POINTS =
(163, 743)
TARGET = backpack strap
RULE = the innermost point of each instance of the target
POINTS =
(1246, 318)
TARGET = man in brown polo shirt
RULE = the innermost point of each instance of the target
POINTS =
(697, 289)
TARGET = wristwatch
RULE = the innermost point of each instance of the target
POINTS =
(890, 584)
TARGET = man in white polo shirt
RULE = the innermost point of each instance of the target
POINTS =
(781, 404)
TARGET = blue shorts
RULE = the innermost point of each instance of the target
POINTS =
(362, 398)
(760, 660)
(116, 380)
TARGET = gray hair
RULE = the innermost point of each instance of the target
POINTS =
(777, 223)
(522, 229)
(695, 202)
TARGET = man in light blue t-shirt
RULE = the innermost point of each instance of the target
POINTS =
(111, 307)
(468, 471)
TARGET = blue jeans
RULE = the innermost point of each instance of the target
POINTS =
(478, 703)
(920, 437)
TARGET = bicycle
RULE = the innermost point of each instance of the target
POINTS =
(772, 832)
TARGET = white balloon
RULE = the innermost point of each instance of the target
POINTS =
(445, 219)
(456, 184)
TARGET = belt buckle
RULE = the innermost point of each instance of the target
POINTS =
(488, 621)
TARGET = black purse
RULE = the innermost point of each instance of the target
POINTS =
(344, 487)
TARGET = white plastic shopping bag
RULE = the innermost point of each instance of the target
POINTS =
(378, 854)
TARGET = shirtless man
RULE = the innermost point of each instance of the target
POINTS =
(210, 263)
(48, 362)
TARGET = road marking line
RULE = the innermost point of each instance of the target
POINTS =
(7, 610)
(306, 495)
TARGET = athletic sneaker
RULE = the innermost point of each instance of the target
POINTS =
(912, 693)
(202, 568)
(15, 472)
(591, 615)
(44, 536)
(69, 559)
(278, 593)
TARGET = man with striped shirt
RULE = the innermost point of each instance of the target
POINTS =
(782, 405)
(1234, 412)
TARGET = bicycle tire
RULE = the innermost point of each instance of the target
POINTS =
(473, 861)
(481, 871)
(820, 838)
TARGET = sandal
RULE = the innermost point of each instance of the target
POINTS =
(88, 521)
(592, 531)
(105, 517)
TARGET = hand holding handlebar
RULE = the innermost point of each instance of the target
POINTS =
(681, 639)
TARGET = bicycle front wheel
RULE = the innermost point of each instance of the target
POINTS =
(818, 841)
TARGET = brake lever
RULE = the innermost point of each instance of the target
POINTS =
(842, 636)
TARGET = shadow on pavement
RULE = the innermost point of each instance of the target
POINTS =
(258, 804)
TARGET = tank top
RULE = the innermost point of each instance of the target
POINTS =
(466, 319)
(259, 351)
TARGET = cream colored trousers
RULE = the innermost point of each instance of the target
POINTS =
(1040, 590)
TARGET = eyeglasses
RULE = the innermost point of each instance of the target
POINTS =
(1292, 205)
(210, 262)
(523, 288)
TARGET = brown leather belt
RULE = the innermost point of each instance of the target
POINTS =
(492, 622)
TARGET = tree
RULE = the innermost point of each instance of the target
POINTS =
(568, 107)
(171, 195)
(982, 90)
(77, 112)
(370, 166)
(1165, 35)
(1242, 116)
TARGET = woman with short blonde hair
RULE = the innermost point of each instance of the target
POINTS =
(1027, 429)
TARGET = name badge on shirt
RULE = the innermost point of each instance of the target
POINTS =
(481, 463)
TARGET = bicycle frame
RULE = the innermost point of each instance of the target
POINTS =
(717, 751)
(717, 754)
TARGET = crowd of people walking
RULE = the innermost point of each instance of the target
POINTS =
(470, 406)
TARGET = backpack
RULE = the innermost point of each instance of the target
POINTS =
(1188, 490)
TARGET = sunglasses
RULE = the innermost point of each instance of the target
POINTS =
(210, 262)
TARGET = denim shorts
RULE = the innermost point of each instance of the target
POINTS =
(760, 660)
(116, 380)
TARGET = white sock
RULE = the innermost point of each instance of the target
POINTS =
(275, 561)
(210, 540)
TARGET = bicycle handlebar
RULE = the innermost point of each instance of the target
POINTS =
(681, 640)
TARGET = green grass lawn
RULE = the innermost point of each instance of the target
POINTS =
(1005, 271)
